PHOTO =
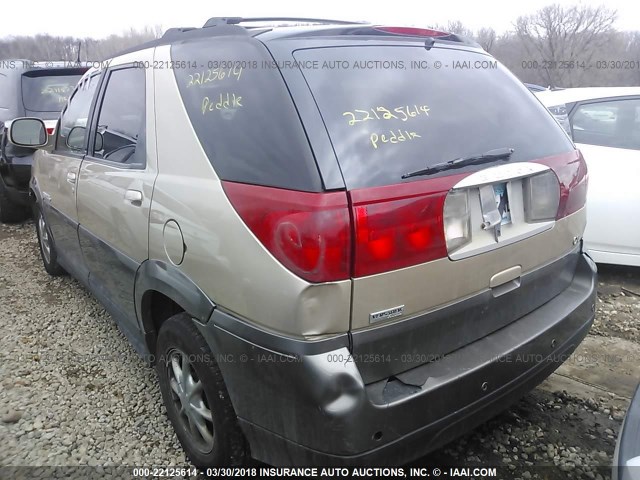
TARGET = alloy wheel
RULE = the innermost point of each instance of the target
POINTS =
(45, 242)
(190, 400)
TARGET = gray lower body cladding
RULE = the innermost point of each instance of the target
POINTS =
(307, 402)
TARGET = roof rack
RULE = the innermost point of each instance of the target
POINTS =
(176, 31)
(217, 21)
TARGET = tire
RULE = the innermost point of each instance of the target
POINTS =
(48, 251)
(181, 345)
(10, 212)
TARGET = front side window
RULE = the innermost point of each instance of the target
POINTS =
(72, 134)
(122, 117)
(610, 124)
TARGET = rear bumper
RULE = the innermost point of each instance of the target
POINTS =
(306, 402)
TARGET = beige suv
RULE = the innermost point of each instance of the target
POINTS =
(338, 243)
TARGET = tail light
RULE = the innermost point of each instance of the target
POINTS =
(572, 174)
(309, 233)
(324, 237)
(399, 226)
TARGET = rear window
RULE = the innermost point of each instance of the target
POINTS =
(391, 110)
(243, 114)
(47, 93)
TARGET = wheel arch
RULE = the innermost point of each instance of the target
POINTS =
(161, 291)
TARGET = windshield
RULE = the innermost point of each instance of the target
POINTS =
(390, 111)
(47, 93)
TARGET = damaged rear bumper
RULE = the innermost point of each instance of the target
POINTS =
(306, 403)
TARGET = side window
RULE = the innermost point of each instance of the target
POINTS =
(121, 121)
(243, 115)
(72, 134)
(610, 124)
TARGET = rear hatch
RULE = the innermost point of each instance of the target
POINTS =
(445, 256)
(45, 91)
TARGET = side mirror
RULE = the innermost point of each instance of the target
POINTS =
(28, 132)
(99, 142)
(75, 138)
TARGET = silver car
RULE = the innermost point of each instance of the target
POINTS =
(626, 460)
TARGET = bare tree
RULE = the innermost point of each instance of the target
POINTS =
(556, 35)
(458, 28)
(454, 26)
(48, 47)
(553, 37)
(486, 37)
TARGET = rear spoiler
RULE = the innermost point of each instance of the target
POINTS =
(50, 72)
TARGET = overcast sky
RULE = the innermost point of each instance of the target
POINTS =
(99, 19)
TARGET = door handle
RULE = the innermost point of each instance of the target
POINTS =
(134, 197)
(71, 177)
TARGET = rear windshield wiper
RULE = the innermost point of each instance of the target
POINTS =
(490, 156)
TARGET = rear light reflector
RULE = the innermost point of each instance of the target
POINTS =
(572, 174)
(457, 220)
(399, 226)
(541, 197)
(50, 130)
(309, 233)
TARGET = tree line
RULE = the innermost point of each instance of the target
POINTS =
(565, 46)
(558, 46)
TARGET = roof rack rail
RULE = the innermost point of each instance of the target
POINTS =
(176, 31)
(217, 21)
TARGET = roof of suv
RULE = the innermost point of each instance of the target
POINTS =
(271, 28)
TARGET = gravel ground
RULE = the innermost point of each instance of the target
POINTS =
(73, 392)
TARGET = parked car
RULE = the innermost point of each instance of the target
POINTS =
(604, 123)
(286, 224)
(535, 88)
(28, 89)
(626, 460)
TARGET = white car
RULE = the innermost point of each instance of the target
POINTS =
(604, 123)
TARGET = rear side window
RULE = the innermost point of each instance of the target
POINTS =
(47, 93)
(610, 124)
(121, 119)
(390, 111)
(243, 114)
